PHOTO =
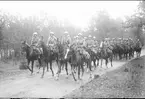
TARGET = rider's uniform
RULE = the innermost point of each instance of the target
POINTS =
(34, 39)
(80, 46)
(74, 42)
(66, 40)
(52, 40)
(94, 44)
(89, 42)
(85, 42)
(138, 43)
(34, 42)
(104, 45)
(40, 41)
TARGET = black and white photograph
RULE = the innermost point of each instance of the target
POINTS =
(72, 49)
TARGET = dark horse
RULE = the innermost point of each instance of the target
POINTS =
(31, 55)
(138, 48)
(62, 60)
(48, 57)
(76, 61)
(93, 56)
(108, 54)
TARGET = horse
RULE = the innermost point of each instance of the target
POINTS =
(106, 53)
(48, 57)
(62, 60)
(93, 57)
(76, 61)
(31, 55)
(138, 48)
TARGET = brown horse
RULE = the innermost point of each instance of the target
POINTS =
(106, 54)
(62, 58)
(48, 57)
(31, 56)
(138, 48)
(76, 61)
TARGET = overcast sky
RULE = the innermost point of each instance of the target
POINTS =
(78, 12)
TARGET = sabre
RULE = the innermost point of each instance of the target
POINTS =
(66, 53)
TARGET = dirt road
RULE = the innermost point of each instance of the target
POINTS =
(22, 84)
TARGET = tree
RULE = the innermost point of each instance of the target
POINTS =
(136, 22)
(102, 26)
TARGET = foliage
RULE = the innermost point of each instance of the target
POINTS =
(102, 25)
(13, 29)
(136, 22)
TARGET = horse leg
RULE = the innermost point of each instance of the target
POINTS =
(58, 71)
(82, 70)
(79, 72)
(39, 65)
(90, 66)
(72, 70)
(87, 66)
(101, 62)
(63, 66)
(106, 63)
(111, 58)
(94, 63)
(32, 67)
(75, 69)
(47, 67)
(51, 68)
(66, 69)
(97, 62)
(126, 56)
(43, 70)
(28, 65)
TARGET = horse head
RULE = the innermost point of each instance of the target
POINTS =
(24, 47)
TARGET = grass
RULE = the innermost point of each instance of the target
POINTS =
(128, 81)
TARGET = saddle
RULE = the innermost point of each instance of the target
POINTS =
(36, 50)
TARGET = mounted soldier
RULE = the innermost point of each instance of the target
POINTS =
(74, 42)
(66, 39)
(104, 45)
(81, 45)
(34, 43)
(138, 43)
(40, 41)
(80, 41)
(90, 42)
(85, 42)
(52, 40)
(94, 41)
(93, 45)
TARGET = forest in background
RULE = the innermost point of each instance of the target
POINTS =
(14, 29)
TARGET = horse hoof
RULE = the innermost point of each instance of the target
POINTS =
(38, 72)
(41, 76)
